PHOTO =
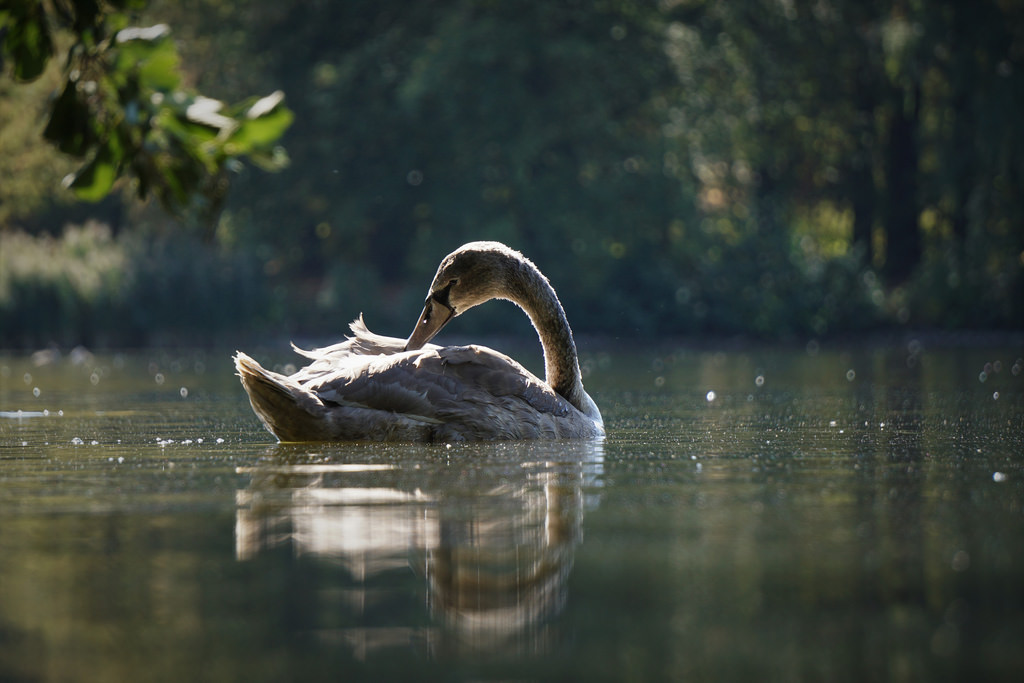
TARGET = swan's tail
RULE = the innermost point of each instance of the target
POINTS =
(289, 411)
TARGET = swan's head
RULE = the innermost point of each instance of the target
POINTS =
(467, 277)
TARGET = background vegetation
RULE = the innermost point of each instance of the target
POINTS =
(772, 168)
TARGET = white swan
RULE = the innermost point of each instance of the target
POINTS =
(376, 388)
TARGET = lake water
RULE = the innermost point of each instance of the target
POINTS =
(810, 514)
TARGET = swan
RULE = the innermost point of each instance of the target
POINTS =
(376, 388)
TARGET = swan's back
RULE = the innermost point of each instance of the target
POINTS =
(368, 388)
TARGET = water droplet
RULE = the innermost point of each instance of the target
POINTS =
(120, 459)
(76, 441)
(982, 376)
(36, 392)
(850, 375)
(710, 396)
(659, 381)
(998, 477)
(184, 392)
(94, 378)
(995, 395)
(759, 380)
(159, 377)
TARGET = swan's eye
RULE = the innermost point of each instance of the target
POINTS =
(453, 282)
(442, 297)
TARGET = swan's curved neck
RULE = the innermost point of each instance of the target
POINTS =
(532, 292)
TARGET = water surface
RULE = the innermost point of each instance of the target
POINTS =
(771, 515)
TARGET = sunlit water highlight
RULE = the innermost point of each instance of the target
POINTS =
(847, 515)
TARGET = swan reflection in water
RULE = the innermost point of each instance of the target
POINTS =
(450, 549)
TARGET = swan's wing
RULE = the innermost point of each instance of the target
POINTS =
(480, 370)
(361, 343)
(344, 354)
(461, 382)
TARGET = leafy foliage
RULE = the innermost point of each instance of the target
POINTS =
(124, 109)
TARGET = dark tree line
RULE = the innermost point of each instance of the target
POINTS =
(770, 168)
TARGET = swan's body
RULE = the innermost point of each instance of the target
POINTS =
(378, 388)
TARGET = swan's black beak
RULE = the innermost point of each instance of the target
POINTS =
(435, 315)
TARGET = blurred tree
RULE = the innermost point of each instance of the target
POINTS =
(603, 130)
(780, 168)
(436, 123)
(899, 112)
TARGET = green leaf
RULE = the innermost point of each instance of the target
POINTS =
(191, 139)
(265, 105)
(70, 125)
(172, 121)
(206, 111)
(274, 160)
(160, 71)
(140, 35)
(95, 180)
(263, 124)
(28, 40)
(177, 181)
(150, 53)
